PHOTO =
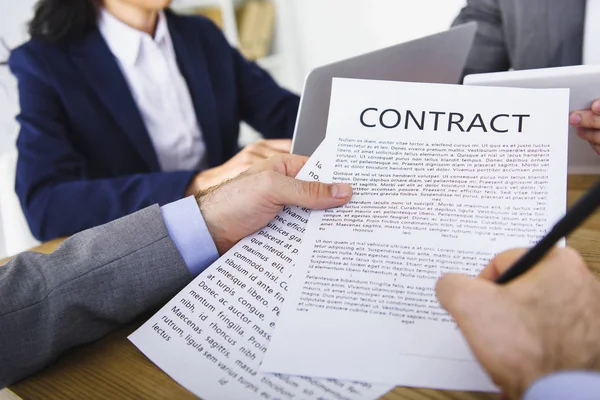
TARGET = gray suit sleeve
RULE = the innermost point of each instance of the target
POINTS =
(95, 281)
(490, 51)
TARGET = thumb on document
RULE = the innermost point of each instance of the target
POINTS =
(280, 172)
(314, 195)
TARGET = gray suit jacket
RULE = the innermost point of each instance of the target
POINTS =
(524, 34)
(95, 281)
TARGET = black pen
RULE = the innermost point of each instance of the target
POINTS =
(580, 211)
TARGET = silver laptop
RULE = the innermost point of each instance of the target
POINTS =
(438, 58)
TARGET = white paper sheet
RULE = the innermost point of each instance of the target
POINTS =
(212, 336)
(429, 199)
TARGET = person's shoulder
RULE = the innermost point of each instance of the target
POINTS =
(33, 52)
(26, 54)
(29, 47)
(40, 46)
(194, 22)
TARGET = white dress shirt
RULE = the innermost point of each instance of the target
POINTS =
(159, 90)
(591, 36)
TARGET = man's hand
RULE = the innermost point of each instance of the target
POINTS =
(546, 321)
(587, 123)
(247, 157)
(241, 206)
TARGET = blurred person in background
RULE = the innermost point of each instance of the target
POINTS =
(531, 34)
(125, 104)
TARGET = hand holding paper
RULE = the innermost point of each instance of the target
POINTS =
(212, 336)
(240, 206)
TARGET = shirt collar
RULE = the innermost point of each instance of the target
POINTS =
(124, 41)
(162, 30)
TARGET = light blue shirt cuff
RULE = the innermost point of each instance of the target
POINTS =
(573, 385)
(188, 231)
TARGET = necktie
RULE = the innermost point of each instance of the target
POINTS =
(591, 38)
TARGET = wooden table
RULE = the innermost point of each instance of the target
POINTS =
(114, 368)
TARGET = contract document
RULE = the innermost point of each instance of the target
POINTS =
(444, 178)
(212, 336)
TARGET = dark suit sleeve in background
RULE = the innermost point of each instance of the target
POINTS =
(56, 195)
(489, 52)
(94, 282)
(266, 106)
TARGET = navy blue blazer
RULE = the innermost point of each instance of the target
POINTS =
(85, 156)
